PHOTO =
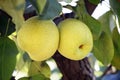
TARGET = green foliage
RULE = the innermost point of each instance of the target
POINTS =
(115, 5)
(32, 68)
(23, 62)
(103, 48)
(94, 1)
(50, 11)
(15, 8)
(6, 25)
(39, 5)
(25, 78)
(39, 77)
(94, 25)
(35, 77)
(37, 71)
(116, 38)
(8, 52)
(116, 41)
(39, 67)
(105, 20)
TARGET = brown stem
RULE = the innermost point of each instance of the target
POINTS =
(74, 70)
(90, 7)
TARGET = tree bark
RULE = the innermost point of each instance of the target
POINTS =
(74, 70)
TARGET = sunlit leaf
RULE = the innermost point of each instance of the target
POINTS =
(105, 21)
(39, 67)
(15, 8)
(26, 65)
(116, 41)
(8, 52)
(39, 77)
(103, 48)
(23, 62)
(39, 5)
(94, 25)
(35, 77)
(45, 69)
(51, 9)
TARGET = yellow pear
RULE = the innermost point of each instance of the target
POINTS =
(39, 38)
(76, 39)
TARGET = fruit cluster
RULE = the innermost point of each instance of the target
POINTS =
(41, 38)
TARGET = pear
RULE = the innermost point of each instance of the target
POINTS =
(39, 38)
(76, 40)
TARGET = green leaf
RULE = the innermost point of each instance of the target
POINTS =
(23, 62)
(39, 77)
(35, 77)
(39, 5)
(39, 67)
(51, 10)
(93, 24)
(116, 38)
(34, 68)
(24, 78)
(103, 48)
(8, 52)
(26, 65)
(94, 1)
(6, 25)
(45, 69)
(105, 20)
(116, 41)
(15, 8)
(115, 5)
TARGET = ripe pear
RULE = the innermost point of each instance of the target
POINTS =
(39, 38)
(76, 39)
